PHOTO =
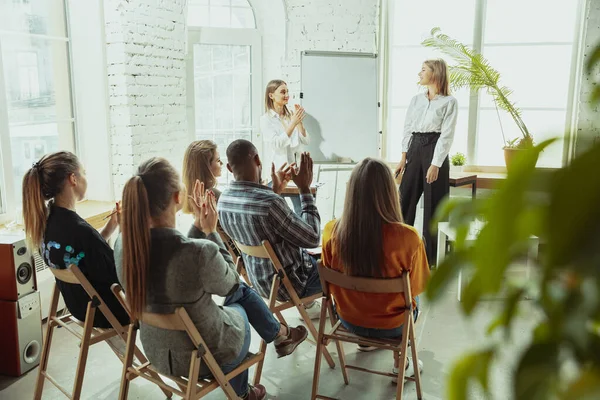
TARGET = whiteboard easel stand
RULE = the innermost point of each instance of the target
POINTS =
(337, 170)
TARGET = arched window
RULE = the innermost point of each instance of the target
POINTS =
(224, 73)
(221, 14)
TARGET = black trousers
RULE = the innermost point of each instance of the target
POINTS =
(414, 183)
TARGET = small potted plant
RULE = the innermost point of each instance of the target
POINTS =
(474, 71)
(457, 162)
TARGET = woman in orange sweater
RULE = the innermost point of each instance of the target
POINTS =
(370, 240)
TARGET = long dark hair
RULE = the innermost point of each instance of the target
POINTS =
(147, 195)
(371, 201)
(42, 182)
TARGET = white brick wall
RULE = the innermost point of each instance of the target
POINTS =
(328, 25)
(588, 124)
(145, 42)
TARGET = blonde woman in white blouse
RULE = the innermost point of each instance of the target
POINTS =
(428, 135)
(284, 128)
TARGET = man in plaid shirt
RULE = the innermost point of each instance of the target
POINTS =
(251, 212)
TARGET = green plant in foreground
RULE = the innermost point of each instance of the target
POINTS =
(562, 208)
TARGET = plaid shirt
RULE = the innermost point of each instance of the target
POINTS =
(250, 213)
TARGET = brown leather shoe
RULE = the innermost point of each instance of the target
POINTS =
(257, 392)
(297, 335)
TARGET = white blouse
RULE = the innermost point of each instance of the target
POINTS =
(284, 147)
(437, 115)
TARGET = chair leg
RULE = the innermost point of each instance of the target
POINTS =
(415, 358)
(84, 347)
(339, 345)
(313, 332)
(259, 365)
(402, 356)
(128, 362)
(320, 347)
(39, 386)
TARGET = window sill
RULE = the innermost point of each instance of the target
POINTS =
(90, 210)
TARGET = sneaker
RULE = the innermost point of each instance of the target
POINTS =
(409, 372)
(314, 310)
(362, 347)
(296, 336)
(257, 392)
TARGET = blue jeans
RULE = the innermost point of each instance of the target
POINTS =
(313, 283)
(379, 333)
(255, 312)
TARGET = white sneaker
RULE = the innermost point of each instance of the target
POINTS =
(314, 310)
(409, 372)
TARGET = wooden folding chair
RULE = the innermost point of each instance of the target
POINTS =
(235, 254)
(339, 334)
(266, 251)
(192, 388)
(88, 337)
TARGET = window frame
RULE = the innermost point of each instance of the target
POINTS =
(8, 196)
(227, 36)
(473, 106)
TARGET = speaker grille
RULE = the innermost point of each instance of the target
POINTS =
(40, 265)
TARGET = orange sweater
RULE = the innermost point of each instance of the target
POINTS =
(403, 250)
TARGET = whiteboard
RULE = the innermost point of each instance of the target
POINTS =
(339, 92)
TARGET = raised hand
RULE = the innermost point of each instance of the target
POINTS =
(303, 175)
(281, 177)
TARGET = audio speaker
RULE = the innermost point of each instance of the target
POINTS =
(20, 335)
(17, 268)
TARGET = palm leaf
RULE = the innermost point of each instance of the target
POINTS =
(472, 70)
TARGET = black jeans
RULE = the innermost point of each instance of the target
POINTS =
(414, 183)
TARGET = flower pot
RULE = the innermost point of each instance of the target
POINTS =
(456, 168)
(509, 156)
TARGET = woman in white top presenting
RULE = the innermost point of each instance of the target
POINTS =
(283, 128)
(428, 135)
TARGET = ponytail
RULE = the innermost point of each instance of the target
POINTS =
(35, 211)
(42, 182)
(135, 232)
(147, 195)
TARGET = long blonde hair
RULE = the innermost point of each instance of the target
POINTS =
(440, 75)
(196, 166)
(271, 88)
(146, 195)
(42, 182)
(371, 201)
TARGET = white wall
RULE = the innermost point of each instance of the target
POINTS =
(588, 121)
(145, 45)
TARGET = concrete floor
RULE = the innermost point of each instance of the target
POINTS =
(443, 335)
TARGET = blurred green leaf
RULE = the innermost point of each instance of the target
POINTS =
(443, 275)
(537, 373)
(577, 227)
(509, 311)
(471, 366)
(585, 387)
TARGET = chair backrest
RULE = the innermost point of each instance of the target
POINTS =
(74, 275)
(262, 251)
(65, 275)
(368, 285)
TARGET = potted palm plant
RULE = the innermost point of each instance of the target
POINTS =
(474, 71)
